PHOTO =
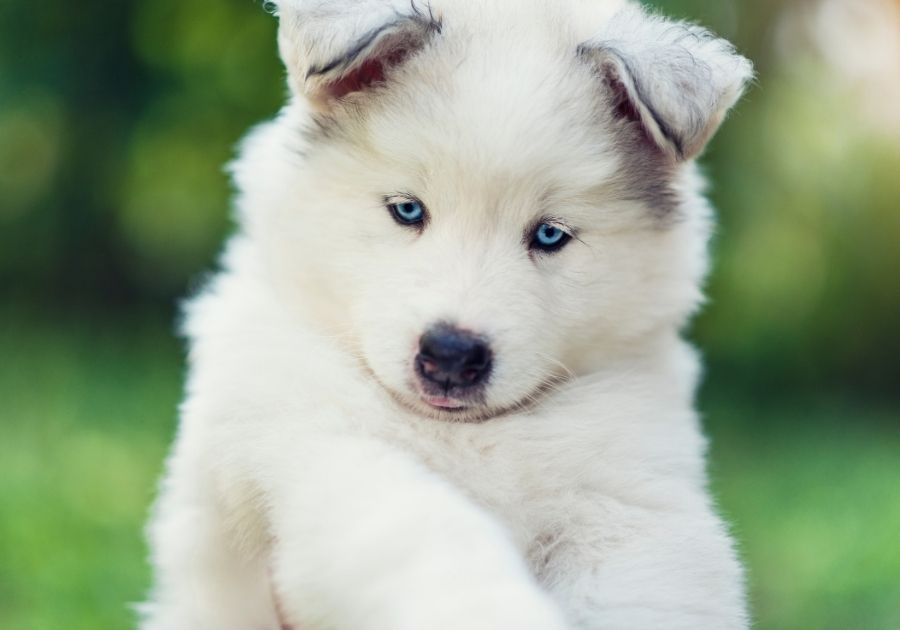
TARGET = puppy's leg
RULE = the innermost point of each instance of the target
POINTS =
(677, 572)
(367, 539)
(201, 579)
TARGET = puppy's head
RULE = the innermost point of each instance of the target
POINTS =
(484, 197)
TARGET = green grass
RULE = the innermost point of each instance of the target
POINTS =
(85, 417)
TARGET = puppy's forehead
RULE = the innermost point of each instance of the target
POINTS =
(490, 103)
(581, 18)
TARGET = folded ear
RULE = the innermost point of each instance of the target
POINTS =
(675, 79)
(334, 48)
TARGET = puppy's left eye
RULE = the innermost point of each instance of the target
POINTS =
(409, 212)
(549, 238)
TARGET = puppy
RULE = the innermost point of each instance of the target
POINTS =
(438, 382)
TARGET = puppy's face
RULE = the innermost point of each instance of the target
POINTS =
(492, 213)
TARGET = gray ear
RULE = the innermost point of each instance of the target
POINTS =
(677, 80)
(334, 48)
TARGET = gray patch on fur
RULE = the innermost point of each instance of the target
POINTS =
(646, 173)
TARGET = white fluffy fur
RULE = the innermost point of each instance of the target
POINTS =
(310, 486)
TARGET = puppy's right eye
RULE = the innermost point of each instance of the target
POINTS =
(549, 238)
(407, 211)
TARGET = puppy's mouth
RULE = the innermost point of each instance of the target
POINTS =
(448, 408)
(446, 397)
(451, 409)
(444, 403)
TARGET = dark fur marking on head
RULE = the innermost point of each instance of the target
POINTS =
(645, 176)
(646, 172)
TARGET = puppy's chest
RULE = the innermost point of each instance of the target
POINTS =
(527, 483)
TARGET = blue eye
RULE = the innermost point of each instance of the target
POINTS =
(549, 238)
(408, 212)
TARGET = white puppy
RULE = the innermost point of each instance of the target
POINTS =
(439, 383)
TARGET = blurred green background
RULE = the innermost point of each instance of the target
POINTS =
(115, 121)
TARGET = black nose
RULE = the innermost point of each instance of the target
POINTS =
(451, 357)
